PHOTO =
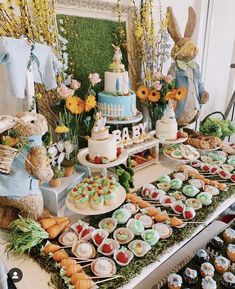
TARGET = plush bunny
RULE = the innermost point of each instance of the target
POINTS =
(185, 70)
(19, 190)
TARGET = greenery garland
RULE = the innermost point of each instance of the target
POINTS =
(137, 264)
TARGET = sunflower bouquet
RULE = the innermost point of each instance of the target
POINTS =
(156, 97)
(75, 111)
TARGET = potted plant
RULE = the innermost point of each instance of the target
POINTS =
(58, 174)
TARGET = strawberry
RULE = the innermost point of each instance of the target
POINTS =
(119, 151)
(223, 174)
(79, 228)
(85, 232)
(107, 248)
(233, 178)
(122, 257)
(98, 160)
(188, 215)
(98, 239)
(179, 209)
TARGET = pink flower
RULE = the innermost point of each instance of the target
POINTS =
(64, 91)
(75, 84)
(94, 78)
(157, 85)
(169, 78)
(159, 75)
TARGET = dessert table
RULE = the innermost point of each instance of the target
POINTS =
(34, 274)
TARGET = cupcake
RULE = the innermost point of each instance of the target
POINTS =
(228, 280)
(204, 198)
(97, 202)
(109, 198)
(231, 252)
(174, 281)
(216, 242)
(202, 256)
(81, 202)
(207, 269)
(190, 191)
(190, 276)
(208, 283)
(221, 264)
(164, 179)
(121, 215)
(229, 235)
(176, 184)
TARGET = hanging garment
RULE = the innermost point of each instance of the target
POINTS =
(16, 53)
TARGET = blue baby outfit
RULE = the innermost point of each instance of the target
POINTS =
(19, 183)
(15, 54)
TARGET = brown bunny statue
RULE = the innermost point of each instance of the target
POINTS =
(185, 70)
(19, 189)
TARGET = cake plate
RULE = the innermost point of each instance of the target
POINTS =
(169, 142)
(82, 158)
(182, 160)
(130, 121)
(121, 196)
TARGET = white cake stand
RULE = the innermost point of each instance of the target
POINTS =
(169, 142)
(130, 121)
(82, 158)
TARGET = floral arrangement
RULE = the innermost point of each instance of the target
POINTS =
(156, 97)
(75, 111)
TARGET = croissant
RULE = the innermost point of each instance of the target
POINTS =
(84, 284)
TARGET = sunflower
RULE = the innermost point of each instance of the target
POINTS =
(181, 93)
(143, 92)
(171, 94)
(154, 96)
(61, 129)
(90, 103)
(75, 104)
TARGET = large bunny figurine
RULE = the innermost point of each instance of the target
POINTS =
(185, 70)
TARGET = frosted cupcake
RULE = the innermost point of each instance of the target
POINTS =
(164, 179)
(229, 235)
(121, 215)
(231, 252)
(221, 264)
(202, 256)
(208, 283)
(176, 184)
(136, 226)
(190, 191)
(216, 242)
(190, 276)
(207, 269)
(81, 202)
(109, 198)
(204, 198)
(97, 202)
(228, 280)
(174, 281)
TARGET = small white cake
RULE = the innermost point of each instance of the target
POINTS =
(166, 127)
(101, 144)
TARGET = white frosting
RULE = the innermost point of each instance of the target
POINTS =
(208, 269)
(84, 250)
(208, 283)
(175, 280)
(229, 277)
(231, 248)
(69, 237)
(230, 233)
(103, 148)
(103, 267)
(111, 79)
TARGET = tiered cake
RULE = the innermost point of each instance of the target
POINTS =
(166, 127)
(102, 146)
(117, 101)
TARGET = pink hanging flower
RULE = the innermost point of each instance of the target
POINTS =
(75, 84)
(64, 91)
(94, 78)
(169, 78)
(159, 75)
(157, 85)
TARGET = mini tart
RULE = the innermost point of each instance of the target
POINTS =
(85, 234)
(231, 252)
(221, 264)
(97, 202)
(108, 224)
(121, 215)
(68, 238)
(132, 208)
(214, 170)
(178, 207)
(147, 189)
(227, 167)
(196, 183)
(190, 191)
(146, 220)
(164, 179)
(139, 248)
(164, 186)
(156, 194)
(83, 250)
(196, 164)
(81, 202)
(189, 213)
(211, 190)
(167, 201)
(174, 281)
(178, 196)
(229, 235)
(103, 267)
(202, 256)
(208, 283)
(223, 174)
(190, 276)
(98, 235)
(181, 176)
(206, 159)
(108, 246)
(135, 226)
(207, 269)
(150, 236)
(205, 167)
(204, 198)
(123, 235)
(163, 230)
(176, 184)
(127, 254)
(228, 280)
(79, 226)
(232, 178)
(194, 203)
(231, 161)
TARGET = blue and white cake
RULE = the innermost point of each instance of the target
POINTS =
(117, 101)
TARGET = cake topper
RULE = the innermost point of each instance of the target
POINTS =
(117, 65)
(169, 111)
(100, 122)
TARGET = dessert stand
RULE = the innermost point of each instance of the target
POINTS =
(135, 119)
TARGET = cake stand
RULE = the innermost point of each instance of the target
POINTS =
(169, 142)
(135, 119)
(120, 198)
(182, 160)
(82, 158)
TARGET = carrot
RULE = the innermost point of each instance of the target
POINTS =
(47, 223)
(58, 256)
(51, 248)
(67, 262)
(55, 230)
(72, 269)
(78, 276)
